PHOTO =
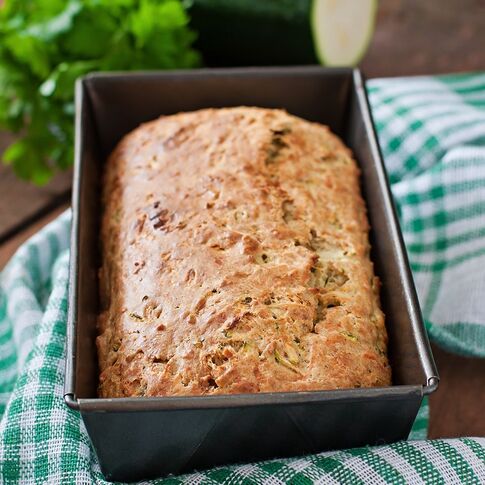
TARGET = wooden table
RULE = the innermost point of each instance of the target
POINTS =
(412, 37)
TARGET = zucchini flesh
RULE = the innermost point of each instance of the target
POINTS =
(342, 30)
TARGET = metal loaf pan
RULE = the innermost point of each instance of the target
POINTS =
(137, 438)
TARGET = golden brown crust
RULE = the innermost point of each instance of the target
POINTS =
(236, 259)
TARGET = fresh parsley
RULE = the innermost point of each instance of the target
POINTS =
(45, 45)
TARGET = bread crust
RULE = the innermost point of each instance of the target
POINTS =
(236, 260)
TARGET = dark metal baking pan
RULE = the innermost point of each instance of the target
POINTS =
(137, 438)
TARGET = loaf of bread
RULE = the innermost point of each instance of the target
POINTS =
(236, 260)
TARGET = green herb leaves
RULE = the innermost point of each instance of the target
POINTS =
(47, 44)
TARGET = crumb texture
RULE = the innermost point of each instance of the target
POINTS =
(236, 260)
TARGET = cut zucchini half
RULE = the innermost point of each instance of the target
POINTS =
(342, 30)
(282, 32)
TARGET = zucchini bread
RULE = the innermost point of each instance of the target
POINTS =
(236, 260)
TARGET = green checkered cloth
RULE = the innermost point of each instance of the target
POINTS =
(432, 135)
(432, 132)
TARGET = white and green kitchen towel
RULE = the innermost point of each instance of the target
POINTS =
(432, 134)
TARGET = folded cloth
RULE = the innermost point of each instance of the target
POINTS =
(432, 136)
(439, 202)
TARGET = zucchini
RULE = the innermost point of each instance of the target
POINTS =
(282, 32)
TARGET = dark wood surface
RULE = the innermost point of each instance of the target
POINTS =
(21, 203)
(457, 407)
(412, 37)
(427, 37)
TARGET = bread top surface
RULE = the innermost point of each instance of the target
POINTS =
(236, 260)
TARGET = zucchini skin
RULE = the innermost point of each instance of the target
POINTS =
(253, 32)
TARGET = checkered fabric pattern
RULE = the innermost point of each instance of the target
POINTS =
(432, 132)
(432, 135)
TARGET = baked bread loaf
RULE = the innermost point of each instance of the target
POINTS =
(236, 260)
